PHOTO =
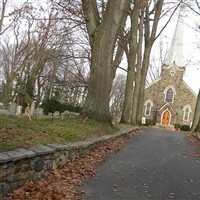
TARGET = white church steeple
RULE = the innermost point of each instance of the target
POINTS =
(175, 53)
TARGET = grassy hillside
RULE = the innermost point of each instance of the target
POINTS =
(20, 132)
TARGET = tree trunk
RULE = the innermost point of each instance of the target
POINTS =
(100, 83)
(145, 65)
(103, 36)
(126, 113)
(196, 120)
(138, 73)
(149, 36)
(131, 56)
(136, 98)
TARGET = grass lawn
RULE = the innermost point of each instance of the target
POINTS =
(18, 132)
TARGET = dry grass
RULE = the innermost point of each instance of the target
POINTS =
(18, 132)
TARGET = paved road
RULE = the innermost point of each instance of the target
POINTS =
(156, 165)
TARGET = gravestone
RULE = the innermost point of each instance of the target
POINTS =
(27, 110)
(1, 106)
(19, 110)
(32, 109)
(38, 112)
(49, 114)
(12, 108)
(65, 114)
(5, 112)
(56, 114)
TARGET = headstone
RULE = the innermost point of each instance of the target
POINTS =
(75, 114)
(19, 110)
(56, 114)
(1, 106)
(32, 109)
(65, 114)
(28, 110)
(38, 112)
(5, 112)
(12, 108)
(49, 114)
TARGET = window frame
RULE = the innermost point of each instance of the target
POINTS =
(148, 102)
(187, 108)
(165, 92)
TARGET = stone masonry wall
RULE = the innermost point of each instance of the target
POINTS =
(21, 165)
(183, 97)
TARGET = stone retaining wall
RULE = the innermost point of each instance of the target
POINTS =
(20, 165)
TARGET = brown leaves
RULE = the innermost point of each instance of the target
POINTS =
(196, 141)
(60, 184)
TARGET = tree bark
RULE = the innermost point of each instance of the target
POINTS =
(196, 120)
(131, 56)
(103, 36)
(144, 70)
(138, 71)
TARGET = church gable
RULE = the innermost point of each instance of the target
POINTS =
(166, 115)
(170, 90)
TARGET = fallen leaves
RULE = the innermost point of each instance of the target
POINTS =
(60, 184)
(196, 141)
(171, 195)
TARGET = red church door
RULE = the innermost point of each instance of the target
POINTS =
(165, 118)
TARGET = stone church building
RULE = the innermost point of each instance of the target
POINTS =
(169, 100)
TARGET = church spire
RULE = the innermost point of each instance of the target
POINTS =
(175, 53)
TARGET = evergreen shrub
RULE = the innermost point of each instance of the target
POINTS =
(52, 105)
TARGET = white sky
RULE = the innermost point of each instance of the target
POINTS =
(191, 50)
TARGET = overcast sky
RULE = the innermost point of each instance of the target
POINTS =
(191, 48)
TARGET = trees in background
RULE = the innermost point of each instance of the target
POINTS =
(144, 16)
(70, 50)
(38, 59)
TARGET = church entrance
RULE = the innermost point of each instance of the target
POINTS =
(166, 118)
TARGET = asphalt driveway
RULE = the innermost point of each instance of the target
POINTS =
(156, 165)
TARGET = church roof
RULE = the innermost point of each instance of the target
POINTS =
(179, 68)
(167, 105)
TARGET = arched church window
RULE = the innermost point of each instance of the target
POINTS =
(169, 96)
(148, 107)
(186, 115)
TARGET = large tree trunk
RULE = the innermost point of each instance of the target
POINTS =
(196, 120)
(138, 69)
(103, 36)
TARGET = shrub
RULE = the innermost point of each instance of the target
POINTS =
(185, 128)
(149, 122)
(52, 105)
(177, 126)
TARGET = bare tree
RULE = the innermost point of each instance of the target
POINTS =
(103, 32)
